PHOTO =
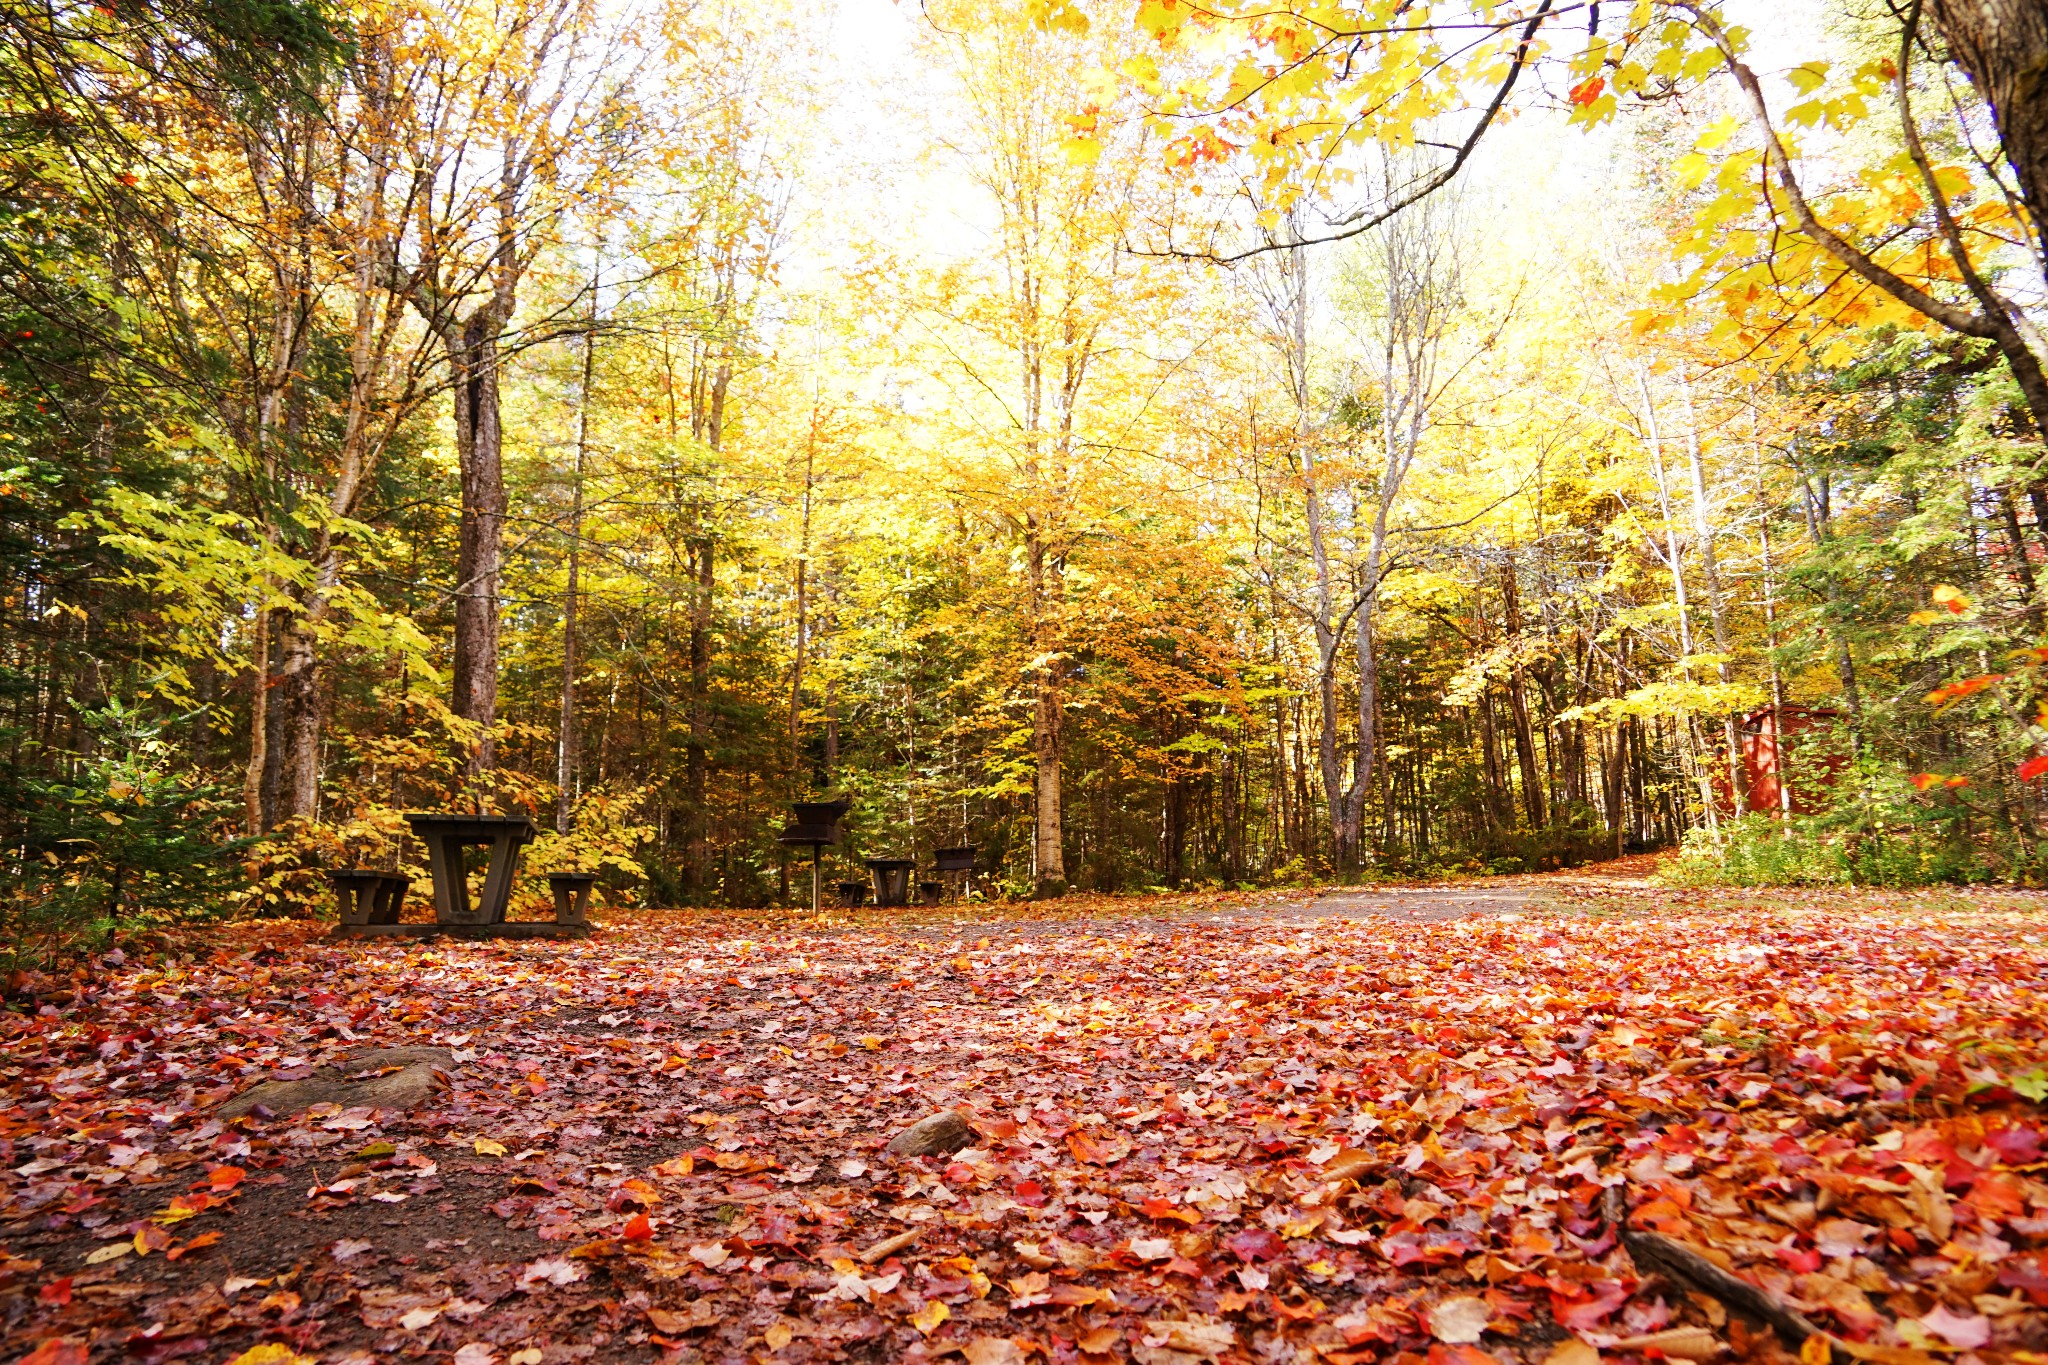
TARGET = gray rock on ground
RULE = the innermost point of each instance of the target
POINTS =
(933, 1135)
(421, 1072)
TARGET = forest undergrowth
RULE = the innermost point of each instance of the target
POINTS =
(1210, 1133)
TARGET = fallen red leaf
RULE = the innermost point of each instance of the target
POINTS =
(56, 1351)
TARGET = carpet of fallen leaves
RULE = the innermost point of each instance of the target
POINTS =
(1198, 1137)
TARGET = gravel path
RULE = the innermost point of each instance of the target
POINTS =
(1422, 903)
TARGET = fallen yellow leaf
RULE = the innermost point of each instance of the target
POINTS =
(271, 1353)
(1572, 1351)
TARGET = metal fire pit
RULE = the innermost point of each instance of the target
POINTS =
(954, 859)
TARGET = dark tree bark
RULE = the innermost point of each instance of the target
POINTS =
(2016, 549)
(1495, 806)
(1173, 835)
(273, 724)
(697, 752)
(1613, 787)
(566, 755)
(297, 702)
(2003, 46)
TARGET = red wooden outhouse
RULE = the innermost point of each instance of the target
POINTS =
(1764, 734)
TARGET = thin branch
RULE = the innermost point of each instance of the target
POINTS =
(1436, 182)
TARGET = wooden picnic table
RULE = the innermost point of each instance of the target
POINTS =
(447, 834)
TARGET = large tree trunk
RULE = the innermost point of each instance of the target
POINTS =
(707, 424)
(298, 704)
(2003, 45)
(1614, 788)
(1365, 767)
(1343, 833)
(801, 644)
(273, 723)
(1174, 834)
(479, 451)
(1283, 780)
(1288, 298)
(2016, 551)
(1492, 808)
(253, 822)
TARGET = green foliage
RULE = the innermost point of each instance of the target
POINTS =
(124, 835)
(1760, 850)
(606, 836)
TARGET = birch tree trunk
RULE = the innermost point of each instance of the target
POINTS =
(1674, 563)
(1703, 534)
(1420, 285)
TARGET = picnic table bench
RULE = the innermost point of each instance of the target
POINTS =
(368, 896)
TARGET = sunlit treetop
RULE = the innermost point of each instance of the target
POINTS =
(1283, 99)
(1796, 237)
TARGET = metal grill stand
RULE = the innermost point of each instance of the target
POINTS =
(817, 828)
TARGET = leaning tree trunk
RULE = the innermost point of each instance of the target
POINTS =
(2003, 45)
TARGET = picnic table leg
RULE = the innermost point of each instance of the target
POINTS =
(572, 903)
(451, 887)
(352, 899)
(504, 866)
(389, 906)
